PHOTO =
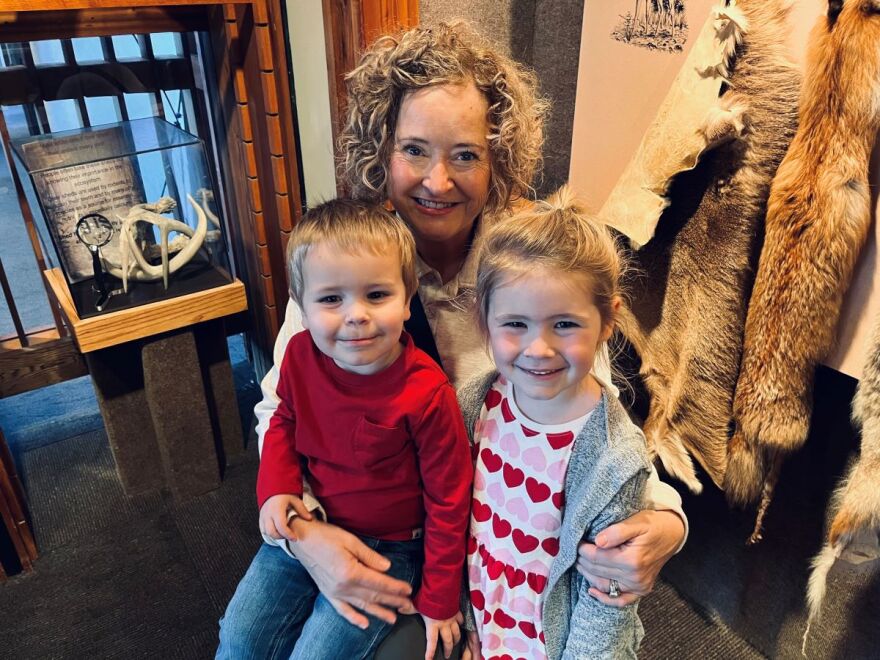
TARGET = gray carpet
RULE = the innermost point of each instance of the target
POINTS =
(124, 576)
(143, 577)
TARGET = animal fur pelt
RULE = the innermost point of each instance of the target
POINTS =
(818, 217)
(689, 306)
(855, 529)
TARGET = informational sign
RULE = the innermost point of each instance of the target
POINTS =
(96, 184)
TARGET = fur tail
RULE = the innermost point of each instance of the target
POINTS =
(817, 587)
(676, 459)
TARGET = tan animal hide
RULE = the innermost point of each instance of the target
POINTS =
(671, 145)
(818, 217)
(855, 529)
(689, 305)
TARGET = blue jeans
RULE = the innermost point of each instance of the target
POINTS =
(277, 610)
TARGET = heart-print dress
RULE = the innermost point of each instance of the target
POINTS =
(515, 522)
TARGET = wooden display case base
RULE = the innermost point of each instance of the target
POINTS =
(164, 384)
(125, 325)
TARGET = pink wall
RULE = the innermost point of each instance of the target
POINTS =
(620, 87)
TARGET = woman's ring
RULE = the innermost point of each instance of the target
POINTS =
(613, 589)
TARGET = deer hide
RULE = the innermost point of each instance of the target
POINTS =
(688, 308)
(818, 217)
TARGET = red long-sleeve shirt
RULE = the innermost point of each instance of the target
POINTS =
(385, 454)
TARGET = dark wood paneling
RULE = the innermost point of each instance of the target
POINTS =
(43, 363)
(38, 25)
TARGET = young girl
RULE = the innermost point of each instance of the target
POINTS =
(557, 458)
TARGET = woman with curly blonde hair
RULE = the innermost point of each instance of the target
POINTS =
(449, 131)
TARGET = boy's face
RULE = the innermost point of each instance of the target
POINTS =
(354, 305)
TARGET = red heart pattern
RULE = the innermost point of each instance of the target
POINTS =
(506, 412)
(500, 527)
(491, 460)
(481, 512)
(504, 620)
(513, 477)
(537, 582)
(560, 440)
(494, 568)
(493, 398)
(531, 526)
(537, 491)
(524, 542)
(551, 546)
(515, 576)
(528, 629)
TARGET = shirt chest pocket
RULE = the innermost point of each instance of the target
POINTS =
(376, 446)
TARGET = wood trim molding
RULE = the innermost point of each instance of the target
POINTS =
(37, 25)
(126, 325)
(48, 359)
(54, 5)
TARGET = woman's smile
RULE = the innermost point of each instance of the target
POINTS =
(441, 167)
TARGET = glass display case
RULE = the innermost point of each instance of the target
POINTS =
(129, 209)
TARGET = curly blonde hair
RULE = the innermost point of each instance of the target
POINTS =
(445, 54)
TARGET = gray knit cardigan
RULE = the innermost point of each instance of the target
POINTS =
(604, 484)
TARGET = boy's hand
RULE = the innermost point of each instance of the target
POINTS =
(447, 629)
(472, 648)
(276, 513)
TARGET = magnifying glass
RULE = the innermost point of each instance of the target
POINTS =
(95, 231)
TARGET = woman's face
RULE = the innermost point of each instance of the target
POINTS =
(440, 167)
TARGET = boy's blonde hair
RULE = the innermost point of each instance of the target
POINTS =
(441, 55)
(350, 226)
(556, 234)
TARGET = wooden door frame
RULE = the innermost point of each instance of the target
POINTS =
(349, 27)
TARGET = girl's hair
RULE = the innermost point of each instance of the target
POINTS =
(445, 54)
(350, 226)
(556, 234)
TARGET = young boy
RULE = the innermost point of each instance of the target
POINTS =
(369, 419)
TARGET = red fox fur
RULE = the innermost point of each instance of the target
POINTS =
(818, 216)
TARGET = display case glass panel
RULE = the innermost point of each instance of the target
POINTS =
(129, 209)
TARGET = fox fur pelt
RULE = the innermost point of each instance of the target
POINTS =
(855, 529)
(818, 217)
(688, 307)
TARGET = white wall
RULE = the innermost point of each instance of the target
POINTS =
(305, 24)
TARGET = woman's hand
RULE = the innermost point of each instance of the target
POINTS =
(472, 649)
(348, 573)
(632, 552)
(275, 515)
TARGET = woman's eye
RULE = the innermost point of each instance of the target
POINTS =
(329, 300)
(412, 150)
(467, 156)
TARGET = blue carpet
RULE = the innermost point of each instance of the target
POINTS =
(48, 415)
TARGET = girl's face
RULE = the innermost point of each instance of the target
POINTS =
(545, 330)
(438, 177)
